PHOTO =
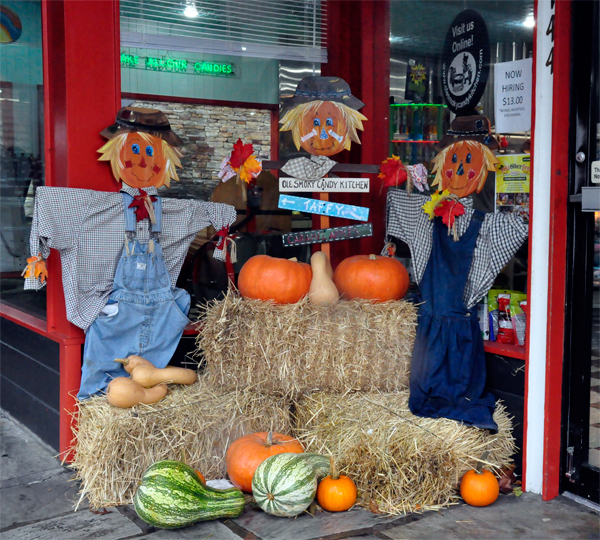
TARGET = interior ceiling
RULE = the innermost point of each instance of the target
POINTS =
(420, 26)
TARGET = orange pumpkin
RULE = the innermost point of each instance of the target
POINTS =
(336, 492)
(245, 454)
(371, 277)
(330, 126)
(464, 170)
(143, 161)
(479, 488)
(285, 281)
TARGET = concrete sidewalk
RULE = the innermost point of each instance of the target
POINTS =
(37, 498)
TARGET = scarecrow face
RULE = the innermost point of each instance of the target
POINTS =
(323, 130)
(464, 169)
(143, 161)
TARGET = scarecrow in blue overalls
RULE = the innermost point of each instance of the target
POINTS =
(457, 252)
(121, 253)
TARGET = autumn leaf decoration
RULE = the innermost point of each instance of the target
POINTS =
(448, 207)
(392, 172)
(241, 163)
(36, 268)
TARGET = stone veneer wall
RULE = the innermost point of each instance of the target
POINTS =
(209, 133)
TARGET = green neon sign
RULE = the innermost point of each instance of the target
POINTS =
(177, 65)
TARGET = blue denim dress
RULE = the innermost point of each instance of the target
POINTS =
(448, 372)
(144, 314)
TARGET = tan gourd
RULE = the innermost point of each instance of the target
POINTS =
(323, 291)
(125, 393)
(133, 361)
(146, 374)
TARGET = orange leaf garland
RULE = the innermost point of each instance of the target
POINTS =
(36, 268)
(249, 169)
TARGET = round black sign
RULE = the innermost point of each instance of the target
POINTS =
(466, 62)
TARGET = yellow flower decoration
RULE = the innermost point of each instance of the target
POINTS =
(436, 198)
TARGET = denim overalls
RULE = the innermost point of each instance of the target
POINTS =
(144, 315)
(447, 376)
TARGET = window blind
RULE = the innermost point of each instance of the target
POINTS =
(279, 29)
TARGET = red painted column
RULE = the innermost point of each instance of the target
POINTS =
(359, 52)
(559, 187)
(82, 93)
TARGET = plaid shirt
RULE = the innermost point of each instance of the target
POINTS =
(88, 229)
(499, 238)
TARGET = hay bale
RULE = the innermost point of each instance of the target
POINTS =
(293, 349)
(401, 463)
(113, 447)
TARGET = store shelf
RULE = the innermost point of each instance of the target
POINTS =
(504, 349)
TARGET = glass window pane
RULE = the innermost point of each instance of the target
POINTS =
(21, 145)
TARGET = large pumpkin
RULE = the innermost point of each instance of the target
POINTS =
(371, 277)
(245, 454)
(285, 281)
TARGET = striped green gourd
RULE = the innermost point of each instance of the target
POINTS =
(171, 495)
(285, 484)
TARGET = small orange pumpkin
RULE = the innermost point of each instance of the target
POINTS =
(245, 454)
(464, 169)
(336, 492)
(371, 277)
(479, 487)
(285, 281)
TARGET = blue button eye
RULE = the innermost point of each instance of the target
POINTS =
(469, 158)
(454, 159)
(316, 122)
(149, 151)
(135, 148)
(329, 122)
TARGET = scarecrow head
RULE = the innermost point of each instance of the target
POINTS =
(142, 148)
(323, 116)
(462, 166)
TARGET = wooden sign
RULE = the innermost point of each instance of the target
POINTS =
(327, 235)
(325, 208)
(325, 185)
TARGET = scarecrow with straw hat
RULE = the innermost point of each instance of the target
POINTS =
(121, 253)
(457, 252)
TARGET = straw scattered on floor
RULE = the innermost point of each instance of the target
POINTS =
(113, 447)
(295, 349)
(400, 463)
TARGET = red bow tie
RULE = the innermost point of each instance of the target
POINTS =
(139, 203)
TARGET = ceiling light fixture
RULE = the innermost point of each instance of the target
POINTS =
(243, 48)
(190, 10)
(529, 22)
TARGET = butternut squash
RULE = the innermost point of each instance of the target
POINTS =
(133, 361)
(323, 291)
(147, 374)
(124, 392)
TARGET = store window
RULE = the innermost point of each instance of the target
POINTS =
(433, 55)
(21, 145)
